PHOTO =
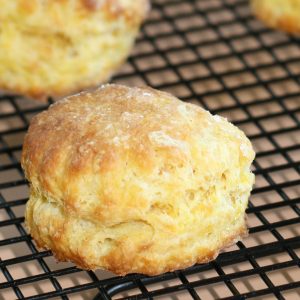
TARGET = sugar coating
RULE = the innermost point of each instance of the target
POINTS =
(162, 139)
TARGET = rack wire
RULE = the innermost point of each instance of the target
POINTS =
(217, 55)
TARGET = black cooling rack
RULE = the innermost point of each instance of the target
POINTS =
(215, 54)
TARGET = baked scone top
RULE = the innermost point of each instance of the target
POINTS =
(111, 155)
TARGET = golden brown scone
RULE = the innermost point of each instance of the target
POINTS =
(279, 14)
(135, 180)
(58, 47)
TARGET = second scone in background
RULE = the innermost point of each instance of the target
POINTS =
(56, 48)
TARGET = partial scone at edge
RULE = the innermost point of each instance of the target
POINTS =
(279, 14)
(56, 48)
(134, 180)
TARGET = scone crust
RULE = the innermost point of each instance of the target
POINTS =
(279, 14)
(59, 47)
(134, 180)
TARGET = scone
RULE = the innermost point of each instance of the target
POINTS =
(55, 48)
(135, 180)
(279, 14)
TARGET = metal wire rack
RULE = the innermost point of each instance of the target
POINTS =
(216, 54)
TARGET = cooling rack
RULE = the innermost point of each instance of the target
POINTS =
(217, 55)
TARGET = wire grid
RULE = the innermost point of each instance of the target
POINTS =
(214, 54)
